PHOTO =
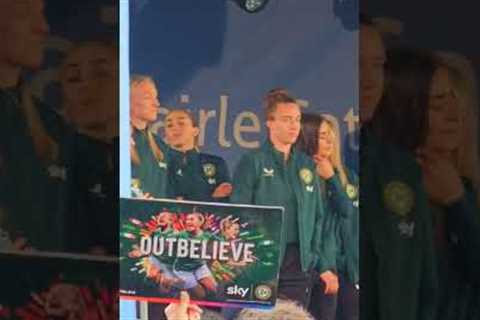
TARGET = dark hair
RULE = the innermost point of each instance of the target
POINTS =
(308, 140)
(274, 97)
(401, 117)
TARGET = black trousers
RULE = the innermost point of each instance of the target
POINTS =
(295, 284)
(343, 306)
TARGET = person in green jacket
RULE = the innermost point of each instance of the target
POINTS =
(194, 175)
(397, 266)
(88, 78)
(320, 140)
(149, 154)
(450, 164)
(277, 174)
(33, 172)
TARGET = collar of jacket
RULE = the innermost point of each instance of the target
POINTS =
(279, 156)
(189, 154)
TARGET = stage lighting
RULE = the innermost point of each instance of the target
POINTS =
(252, 6)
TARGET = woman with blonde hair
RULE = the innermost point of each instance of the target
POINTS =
(149, 154)
(450, 163)
(456, 75)
(320, 139)
(88, 78)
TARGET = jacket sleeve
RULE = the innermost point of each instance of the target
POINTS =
(429, 277)
(348, 216)
(172, 182)
(463, 222)
(338, 198)
(244, 181)
(223, 176)
(223, 172)
(325, 242)
(369, 280)
(171, 189)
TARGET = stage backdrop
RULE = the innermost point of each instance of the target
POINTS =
(218, 60)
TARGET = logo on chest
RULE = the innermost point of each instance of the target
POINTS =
(406, 229)
(162, 164)
(351, 191)
(97, 190)
(398, 198)
(58, 172)
(267, 172)
(306, 175)
(210, 171)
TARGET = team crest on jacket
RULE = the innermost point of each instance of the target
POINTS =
(306, 175)
(209, 170)
(398, 198)
(135, 183)
(351, 191)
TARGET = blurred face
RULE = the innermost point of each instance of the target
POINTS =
(444, 114)
(24, 28)
(284, 124)
(165, 219)
(144, 102)
(372, 60)
(180, 133)
(325, 140)
(193, 222)
(89, 85)
(231, 232)
(63, 300)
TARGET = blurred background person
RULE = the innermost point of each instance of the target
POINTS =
(372, 58)
(450, 163)
(88, 78)
(32, 160)
(194, 175)
(397, 268)
(320, 139)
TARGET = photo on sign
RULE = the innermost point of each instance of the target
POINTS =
(223, 255)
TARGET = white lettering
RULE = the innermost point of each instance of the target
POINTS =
(239, 128)
(237, 291)
(223, 122)
(248, 253)
(145, 245)
(202, 124)
(195, 248)
(223, 251)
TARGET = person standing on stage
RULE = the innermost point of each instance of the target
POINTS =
(320, 139)
(194, 175)
(149, 154)
(278, 174)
